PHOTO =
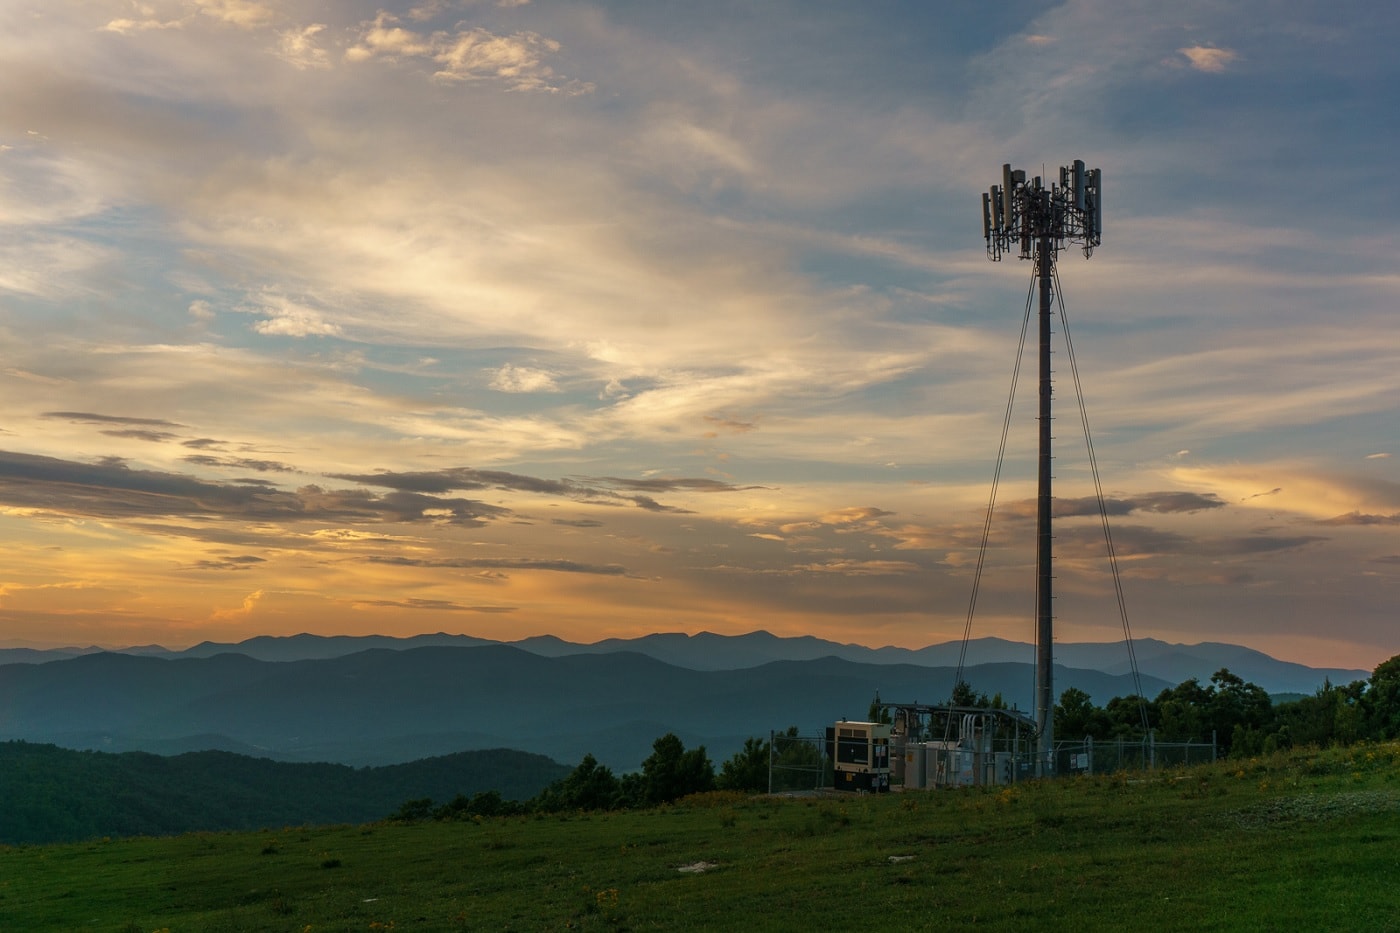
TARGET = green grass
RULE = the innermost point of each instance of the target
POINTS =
(1305, 841)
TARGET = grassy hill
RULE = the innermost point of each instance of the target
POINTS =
(1304, 840)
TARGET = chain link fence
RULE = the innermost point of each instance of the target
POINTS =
(1145, 754)
(799, 763)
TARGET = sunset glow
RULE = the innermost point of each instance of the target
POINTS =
(605, 318)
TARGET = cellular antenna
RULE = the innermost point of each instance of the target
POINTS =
(1037, 222)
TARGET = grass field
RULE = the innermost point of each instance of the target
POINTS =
(1298, 841)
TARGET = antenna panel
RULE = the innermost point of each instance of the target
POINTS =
(1008, 181)
(1096, 180)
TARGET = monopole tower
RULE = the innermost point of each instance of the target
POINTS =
(1037, 220)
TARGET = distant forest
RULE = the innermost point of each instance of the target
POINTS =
(54, 794)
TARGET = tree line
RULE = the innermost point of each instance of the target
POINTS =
(1241, 716)
(669, 773)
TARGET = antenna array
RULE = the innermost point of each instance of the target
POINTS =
(1017, 213)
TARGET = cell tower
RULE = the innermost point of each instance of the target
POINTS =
(1038, 221)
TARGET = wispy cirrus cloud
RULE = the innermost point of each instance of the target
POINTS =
(435, 605)
(502, 563)
(609, 490)
(88, 417)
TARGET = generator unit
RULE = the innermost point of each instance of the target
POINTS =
(860, 753)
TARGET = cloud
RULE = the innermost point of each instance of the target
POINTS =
(298, 47)
(242, 562)
(1302, 490)
(126, 26)
(436, 605)
(1139, 541)
(466, 55)
(597, 490)
(1208, 58)
(250, 602)
(502, 563)
(452, 478)
(673, 484)
(511, 378)
(1164, 503)
(141, 435)
(1255, 544)
(287, 318)
(861, 568)
(87, 417)
(854, 516)
(1359, 518)
(111, 490)
(728, 425)
(242, 463)
(246, 14)
(427, 10)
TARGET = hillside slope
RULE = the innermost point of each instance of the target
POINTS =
(53, 794)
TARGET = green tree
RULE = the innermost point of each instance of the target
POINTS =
(1122, 717)
(1182, 711)
(964, 695)
(672, 772)
(747, 769)
(1382, 700)
(1239, 709)
(590, 786)
(1074, 714)
(420, 808)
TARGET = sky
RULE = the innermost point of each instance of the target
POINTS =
(597, 319)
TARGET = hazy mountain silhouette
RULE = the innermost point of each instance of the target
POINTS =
(706, 651)
(384, 706)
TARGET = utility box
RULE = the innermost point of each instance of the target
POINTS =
(860, 752)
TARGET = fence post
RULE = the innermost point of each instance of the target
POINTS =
(772, 752)
(1212, 745)
(1152, 749)
(1089, 747)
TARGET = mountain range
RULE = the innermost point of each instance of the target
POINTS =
(706, 651)
(377, 700)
